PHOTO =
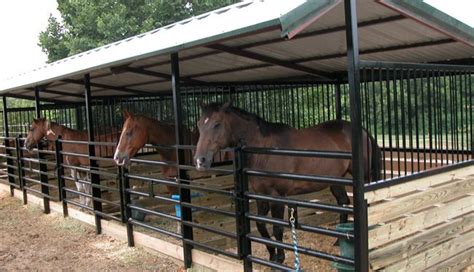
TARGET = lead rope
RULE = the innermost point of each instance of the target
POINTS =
(295, 240)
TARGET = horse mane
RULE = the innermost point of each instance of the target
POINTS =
(265, 127)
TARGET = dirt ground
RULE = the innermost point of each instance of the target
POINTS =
(31, 240)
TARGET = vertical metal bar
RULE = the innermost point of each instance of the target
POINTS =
(338, 100)
(383, 124)
(430, 120)
(122, 194)
(360, 204)
(42, 167)
(397, 126)
(410, 117)
(416, 121)
(60, 174)
(471, 106)
(185, 194)
(6, 134)
(389, 112)
(126, 205)
(21, 172)
(95, 178)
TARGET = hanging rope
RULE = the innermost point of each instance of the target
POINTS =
(295, 240)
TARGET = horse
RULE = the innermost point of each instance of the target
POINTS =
(42, 128)
(139, 130)
(222, 125)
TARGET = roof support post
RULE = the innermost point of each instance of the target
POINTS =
(185, 194)
(6, 134)
(42, 167)
(338, 99)
(360, 204)
(95, 178)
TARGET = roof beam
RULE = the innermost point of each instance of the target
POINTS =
(271, 60)
(299, 36)
(330, 56)
(20, 96)
(377, 50)
(142, 71)
(59, 93)
(326, 31)
(104, 86)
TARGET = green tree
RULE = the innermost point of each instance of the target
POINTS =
(88, 24)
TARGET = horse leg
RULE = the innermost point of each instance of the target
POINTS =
(74, 175)
(88, 190)
(262, 209)
(278, 211)
(339, 192)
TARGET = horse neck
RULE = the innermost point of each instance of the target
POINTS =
(247, 132)
(65, 132)
(159, 132)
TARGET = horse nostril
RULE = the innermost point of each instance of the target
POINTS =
(200, 161)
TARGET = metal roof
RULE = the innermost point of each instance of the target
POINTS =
(253, 41)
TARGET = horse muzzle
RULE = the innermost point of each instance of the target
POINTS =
(202, 163)
(28, 146)
(121, 159)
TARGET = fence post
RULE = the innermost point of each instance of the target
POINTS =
(360, 204)
(95, 178)
(242, 208)
(126, 202)
(184, 193)
(60, 175)
(42, 167)
(10, 178)
(20, 171)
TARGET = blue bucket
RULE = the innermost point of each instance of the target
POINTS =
(177, 207)
(346, 247)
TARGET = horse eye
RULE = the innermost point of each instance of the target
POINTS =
(217, 125)
(129, 134)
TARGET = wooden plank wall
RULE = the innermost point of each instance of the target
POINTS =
(425, 224)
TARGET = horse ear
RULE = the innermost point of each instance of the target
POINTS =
(47, 126)
(127, 114)
(201, 104)
(226, 106)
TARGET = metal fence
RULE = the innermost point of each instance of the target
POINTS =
(420, 114)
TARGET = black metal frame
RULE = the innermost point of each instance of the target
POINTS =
(358, 87)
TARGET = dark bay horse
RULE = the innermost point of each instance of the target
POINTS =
(222, 125)
(139, 130)
(42, 128)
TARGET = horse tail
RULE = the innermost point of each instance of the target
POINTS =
(376, 160)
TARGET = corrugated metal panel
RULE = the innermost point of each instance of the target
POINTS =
(210, 64)
(231, 21)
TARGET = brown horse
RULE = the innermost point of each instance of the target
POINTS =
(42, 128)
(222, 126)
(139, 130)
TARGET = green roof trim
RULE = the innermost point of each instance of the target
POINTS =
(435, 18)
(296, 20)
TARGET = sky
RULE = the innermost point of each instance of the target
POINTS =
(21, 21)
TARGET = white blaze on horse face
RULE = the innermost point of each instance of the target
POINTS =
(207, 120)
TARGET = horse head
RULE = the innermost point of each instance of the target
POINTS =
(133, 137)
(39, 129)
(214, 134)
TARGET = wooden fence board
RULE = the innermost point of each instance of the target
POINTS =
(407, 225)
(421, 183)
(395, 208)
(464, 260)
(414, 244)
(434, 255)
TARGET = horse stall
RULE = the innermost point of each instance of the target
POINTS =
(398, 71)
